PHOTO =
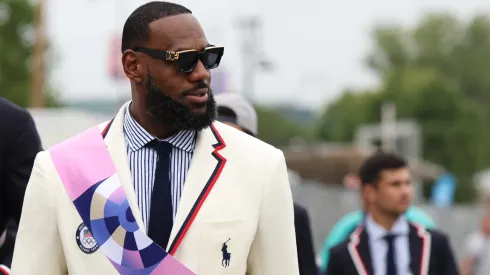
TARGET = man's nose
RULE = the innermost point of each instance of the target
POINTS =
(200, 73)
(407, 189)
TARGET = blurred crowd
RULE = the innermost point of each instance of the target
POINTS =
(386, 191)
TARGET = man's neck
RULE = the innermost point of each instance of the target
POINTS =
(152, 127)
(383, 220)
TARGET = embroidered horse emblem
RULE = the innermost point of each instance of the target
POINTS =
(226, 256)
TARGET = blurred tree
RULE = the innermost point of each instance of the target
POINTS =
(342, 117)
(16, 46)
(435, 73)
(277, 129)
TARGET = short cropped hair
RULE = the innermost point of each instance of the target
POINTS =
(372, 167)
(137, 27)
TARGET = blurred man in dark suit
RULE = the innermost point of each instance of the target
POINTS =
(236, 112)
(386, 242)
(19, 144)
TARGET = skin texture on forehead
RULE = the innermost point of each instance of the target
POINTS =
(392, 175)
(175, 33)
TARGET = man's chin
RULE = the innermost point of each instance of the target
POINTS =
(199, 122)
(200, 112)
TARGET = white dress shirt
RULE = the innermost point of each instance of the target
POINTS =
(142, 162)
(379, 248)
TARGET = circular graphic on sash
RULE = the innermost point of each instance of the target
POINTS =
(85, 240)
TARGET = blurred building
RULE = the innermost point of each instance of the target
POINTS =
(56, 125)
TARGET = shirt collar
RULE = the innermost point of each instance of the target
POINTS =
(376, 231)
(138, 137)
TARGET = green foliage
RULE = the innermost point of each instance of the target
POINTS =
(16, 45)
(437, 74)
(276, 129)
(16, 19)
(341, 119)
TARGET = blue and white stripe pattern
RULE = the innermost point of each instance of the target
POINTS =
(142, 162)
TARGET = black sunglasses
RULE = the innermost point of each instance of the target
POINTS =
(187, 60)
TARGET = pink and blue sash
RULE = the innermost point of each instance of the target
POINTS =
(89, 176)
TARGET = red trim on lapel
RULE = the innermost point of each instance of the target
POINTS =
(426, 246)
(204, 193)
(353, 248)
(106, 128)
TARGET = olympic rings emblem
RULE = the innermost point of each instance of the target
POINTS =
(88, 241)
(85, 241)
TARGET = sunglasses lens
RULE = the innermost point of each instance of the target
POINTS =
(212, 57)
(187, 61)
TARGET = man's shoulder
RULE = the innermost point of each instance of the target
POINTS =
(341, 248)
(10, 112)
(7, 106)
(355, 235)
(100, 127)
(242, 142)
(437, 237)
(44, 158)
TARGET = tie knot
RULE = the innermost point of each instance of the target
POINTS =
(162, 148)
(389, 237)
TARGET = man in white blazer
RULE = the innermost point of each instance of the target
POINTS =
(161, 188)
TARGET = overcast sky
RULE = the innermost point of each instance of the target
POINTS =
(317, 45)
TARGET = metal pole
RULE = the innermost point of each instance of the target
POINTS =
(388, 127)
(249, 29)
(36, 98)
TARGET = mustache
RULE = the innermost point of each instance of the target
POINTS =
(198, 86)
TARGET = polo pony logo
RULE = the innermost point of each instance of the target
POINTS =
(226, 256)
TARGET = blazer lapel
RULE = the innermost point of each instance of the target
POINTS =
(359, 252)
(365, 252)
(116, 146)
(415, 244)
(205, 169)
(419, 242)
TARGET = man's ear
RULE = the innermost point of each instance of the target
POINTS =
(369, 192)
(132, 66)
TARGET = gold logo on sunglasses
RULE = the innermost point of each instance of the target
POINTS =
(172, 56)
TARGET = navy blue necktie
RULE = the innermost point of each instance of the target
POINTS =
(161, 215)
(390, 255)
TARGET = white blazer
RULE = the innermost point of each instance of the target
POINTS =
(250, 204)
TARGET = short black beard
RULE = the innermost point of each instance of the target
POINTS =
(174, 114)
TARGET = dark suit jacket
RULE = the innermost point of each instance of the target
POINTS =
(304, 242)
(19, 144)
(428, 248)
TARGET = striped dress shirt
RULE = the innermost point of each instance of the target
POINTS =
(142, 162)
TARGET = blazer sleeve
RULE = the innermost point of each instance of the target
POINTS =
(23, 146)
(334, 265)
(339, 233)
(447, 260)
(273, 250)
(304, 242)
(38, 248)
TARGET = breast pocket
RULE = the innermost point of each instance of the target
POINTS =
(224, 247)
